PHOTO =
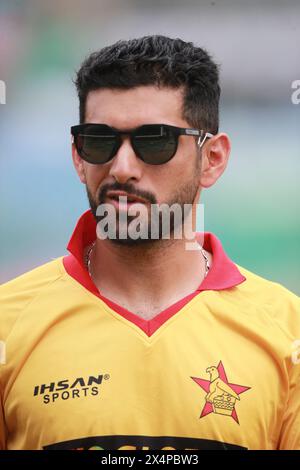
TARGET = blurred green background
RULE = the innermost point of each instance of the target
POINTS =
(253, 208)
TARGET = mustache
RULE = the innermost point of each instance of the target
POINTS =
(128, 188)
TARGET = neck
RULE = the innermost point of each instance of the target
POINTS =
(157, 274)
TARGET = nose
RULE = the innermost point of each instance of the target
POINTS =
(126, 165)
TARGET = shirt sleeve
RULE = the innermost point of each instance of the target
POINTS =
(290, 431)
(289, 322)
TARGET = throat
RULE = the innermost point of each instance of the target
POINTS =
(147, 289)
(148, 308)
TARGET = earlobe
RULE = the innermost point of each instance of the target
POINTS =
(215, 155)
(78, 164)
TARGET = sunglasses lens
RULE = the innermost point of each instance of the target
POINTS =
(155, 144)
(96, 144)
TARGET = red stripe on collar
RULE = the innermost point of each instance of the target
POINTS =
(223, 273)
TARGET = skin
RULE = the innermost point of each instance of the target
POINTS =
(141, 278)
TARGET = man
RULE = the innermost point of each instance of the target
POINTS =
(136, 341)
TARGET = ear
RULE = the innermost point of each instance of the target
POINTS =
(78, 164)
(215, 155)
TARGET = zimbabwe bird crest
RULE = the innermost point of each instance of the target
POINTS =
(221, 396)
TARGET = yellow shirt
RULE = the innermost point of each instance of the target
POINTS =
(217, 370)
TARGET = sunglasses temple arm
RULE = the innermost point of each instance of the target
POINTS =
(207, 135)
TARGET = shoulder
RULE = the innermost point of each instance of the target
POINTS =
(17, 294)
(279, 303)
(262, 289)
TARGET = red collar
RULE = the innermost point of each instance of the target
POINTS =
(223, 274)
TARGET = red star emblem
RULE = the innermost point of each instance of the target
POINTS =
(220, 385)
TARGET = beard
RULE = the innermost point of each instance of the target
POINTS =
(160, 224)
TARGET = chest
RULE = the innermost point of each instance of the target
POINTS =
(102, 382)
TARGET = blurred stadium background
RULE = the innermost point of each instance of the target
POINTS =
(253, 209)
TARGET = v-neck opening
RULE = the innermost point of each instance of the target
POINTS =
(149, 327)
(223, 274)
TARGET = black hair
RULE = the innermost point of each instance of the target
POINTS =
(160, 61)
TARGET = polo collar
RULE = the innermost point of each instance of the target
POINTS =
(223, 274)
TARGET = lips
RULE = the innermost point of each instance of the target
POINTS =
(131, 198)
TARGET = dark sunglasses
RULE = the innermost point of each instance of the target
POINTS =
(155, 144)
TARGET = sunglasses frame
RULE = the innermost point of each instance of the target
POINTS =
(176, 131)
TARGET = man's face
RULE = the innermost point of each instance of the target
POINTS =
(176, 181)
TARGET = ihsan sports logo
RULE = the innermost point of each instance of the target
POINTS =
(67, 389)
